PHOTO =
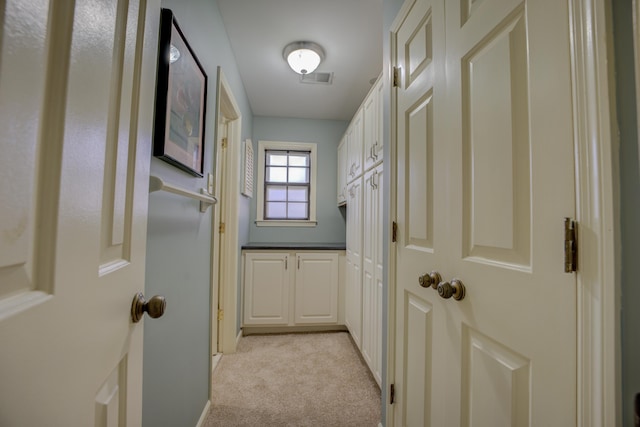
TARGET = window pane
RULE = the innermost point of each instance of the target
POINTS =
(276, 174)
(299, 159)
(276, 210)
(276, 193)
(276, 158)
(298, 211)
(298, 194)
(299, 175)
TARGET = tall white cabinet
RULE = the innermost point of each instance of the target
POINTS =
(364, 275)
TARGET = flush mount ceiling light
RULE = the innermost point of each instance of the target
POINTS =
(303, 57)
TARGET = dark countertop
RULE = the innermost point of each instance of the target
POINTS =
(297, 246)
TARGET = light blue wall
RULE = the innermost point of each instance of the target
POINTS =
(327, 134)
(629, 204)
(176, 346)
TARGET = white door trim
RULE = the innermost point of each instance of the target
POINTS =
(228, 107)
(599, 385)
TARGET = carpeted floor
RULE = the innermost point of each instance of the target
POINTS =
(294, 380)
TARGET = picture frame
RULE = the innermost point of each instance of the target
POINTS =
(181, 92)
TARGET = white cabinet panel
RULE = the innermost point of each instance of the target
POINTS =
(353, 303)
(316, 288)
(342, 172)
(372, 278)
(355, 141)
(266, 292)
(372, 130)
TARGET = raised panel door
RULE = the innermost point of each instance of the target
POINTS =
(342, 172)
(316, 288)
(484, 136)
(266, 289)
(76, 129)
(355, 146)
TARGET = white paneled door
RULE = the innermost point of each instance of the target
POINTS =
(76, 101)
(484, 180)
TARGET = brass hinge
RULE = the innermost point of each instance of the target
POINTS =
(570, 246)
(224, 142)
(392, 394)
(396, 77)
(220, 314)
(222, 227)
(394, 231)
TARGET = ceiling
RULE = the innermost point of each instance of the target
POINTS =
(350, 32)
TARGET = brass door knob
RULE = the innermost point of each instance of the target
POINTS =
(454, 289)
(154, 307)
(432, 279)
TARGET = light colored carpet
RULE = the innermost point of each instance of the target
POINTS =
(294, 380)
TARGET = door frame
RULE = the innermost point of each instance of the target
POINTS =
(598, 276)
(226, 106)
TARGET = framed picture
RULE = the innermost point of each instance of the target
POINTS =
(181, 92)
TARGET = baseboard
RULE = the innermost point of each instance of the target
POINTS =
(204, 414)
(253, 330)
(238, 337)
(215, 359)
(379, 424)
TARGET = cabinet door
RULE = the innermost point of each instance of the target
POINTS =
(316, 288)
(266, 289)
(378, 144)
(377, 207)
(342, 172)
(353, 303)
(354, 149)
(368, 270)
(370, 130)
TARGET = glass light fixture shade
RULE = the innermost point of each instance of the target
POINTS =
(303, 57)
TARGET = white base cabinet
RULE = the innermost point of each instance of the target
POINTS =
(266, 292)
(316, 288)
(293, 288)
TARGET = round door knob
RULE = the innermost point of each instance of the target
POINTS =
(154, 307)
(454, 289)
(432, 279)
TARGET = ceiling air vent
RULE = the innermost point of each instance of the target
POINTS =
(317, 78)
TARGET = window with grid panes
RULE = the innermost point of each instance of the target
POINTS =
(287, 185)
(286, 188)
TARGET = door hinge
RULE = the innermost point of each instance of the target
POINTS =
(220, 314)
(222, 227)
(570, 246)
(396, 77)
(394, 231)
(224, 142)
(392, 394)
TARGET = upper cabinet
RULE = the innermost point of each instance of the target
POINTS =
(363, 141)
(354, 146)
(342, 171)
(373, 139)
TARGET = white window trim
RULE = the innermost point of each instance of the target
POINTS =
(294, 146)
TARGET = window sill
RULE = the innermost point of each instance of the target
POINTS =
(285, 223)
